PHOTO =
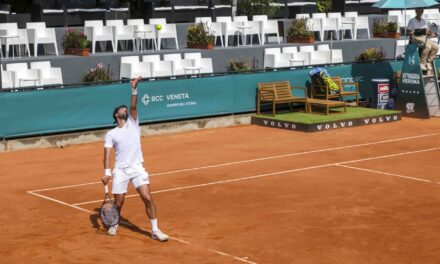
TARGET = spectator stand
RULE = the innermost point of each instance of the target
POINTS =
(185, 10)
(64, 13)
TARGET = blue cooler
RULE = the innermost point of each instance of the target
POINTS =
(381, 93)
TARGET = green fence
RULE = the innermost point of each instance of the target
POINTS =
(69, 109)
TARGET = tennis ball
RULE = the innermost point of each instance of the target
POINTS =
(158, 26)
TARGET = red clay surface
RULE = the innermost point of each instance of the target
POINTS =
(237, 195)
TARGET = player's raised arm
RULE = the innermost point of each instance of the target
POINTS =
(133, 105)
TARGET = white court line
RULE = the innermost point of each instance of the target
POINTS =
(257, 159)
(272, 174)
(387, 173)
(245, 260)
(220, 182)
(60, 202)
(246, 178)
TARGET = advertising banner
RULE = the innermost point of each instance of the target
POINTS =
(411, 99)
(90, 107)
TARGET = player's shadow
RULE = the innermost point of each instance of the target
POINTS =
(123, 222)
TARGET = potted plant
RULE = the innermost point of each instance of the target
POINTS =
(299, 32)
(384, 29)
(240, 65)
(75, 43)
(98, 74)
(200, 38)
(371, 55)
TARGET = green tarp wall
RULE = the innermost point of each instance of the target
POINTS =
(79, 108)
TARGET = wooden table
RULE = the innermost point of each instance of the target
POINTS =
(324, 103)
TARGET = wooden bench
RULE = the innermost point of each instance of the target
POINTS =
(321, 90)
(324, 103)
(278, 93)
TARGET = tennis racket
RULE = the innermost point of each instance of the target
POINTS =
(108, 212)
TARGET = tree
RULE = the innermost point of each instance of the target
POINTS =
(257, 7)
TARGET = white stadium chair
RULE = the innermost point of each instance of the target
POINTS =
(216, 29)
(296, 58)
(323, 47)
(203, 20)
(143, 32)
(168, 31)
(315, 25)
(228, 28)
(47, 74)
(400, 47)
(11, 36)
(319, 57)
(39, 34)
(290, 50)
(306, 48)
(202, 65)
(131, 68)
(273, 58)
(267, 27)
(336, 56)
(120, 32)
(159, 68)
(177, 63)
(96, 31)
(23, 77)
(362, 23)
(7, 78)
(351, 14)
(331, 24)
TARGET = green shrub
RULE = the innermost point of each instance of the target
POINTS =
(324, 6)
(98, 74)
(371, 54)
(75, 39)
(198, 34)
(257, 7)
(299, 28)
(239, 65)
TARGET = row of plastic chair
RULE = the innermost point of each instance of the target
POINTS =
(115, 31)
(306, 55)
(322, 22)
(152, 66)
(227, 26)
(35, 33)
(329, 15)
(40, 73)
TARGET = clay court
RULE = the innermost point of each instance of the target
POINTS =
(243, 194)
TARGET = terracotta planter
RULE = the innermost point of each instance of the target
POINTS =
(309, 40)
(76, 52)
(394, 35)
(208, 46)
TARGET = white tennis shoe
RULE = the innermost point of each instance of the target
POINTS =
(158, 235)
(113, 230)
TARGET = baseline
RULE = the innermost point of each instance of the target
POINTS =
(243, 259)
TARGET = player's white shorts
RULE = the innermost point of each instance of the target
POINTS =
(121, 176)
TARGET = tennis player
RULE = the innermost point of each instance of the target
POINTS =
(126, 140)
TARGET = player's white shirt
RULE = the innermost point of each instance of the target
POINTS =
(413, 23)
(127, 143)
